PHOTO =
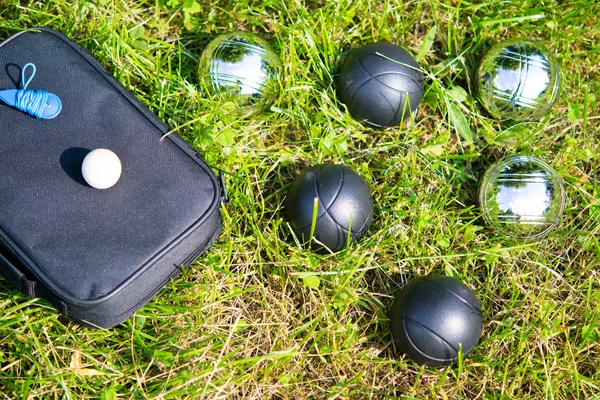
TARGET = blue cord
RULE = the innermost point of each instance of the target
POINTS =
(31, 101)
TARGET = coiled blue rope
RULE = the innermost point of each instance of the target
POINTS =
(39, 103)
(32, 102)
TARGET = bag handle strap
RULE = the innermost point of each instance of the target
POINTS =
(16, 278)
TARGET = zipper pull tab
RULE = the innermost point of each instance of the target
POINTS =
(224, 196)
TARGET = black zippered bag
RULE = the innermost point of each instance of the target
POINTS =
(95, 255)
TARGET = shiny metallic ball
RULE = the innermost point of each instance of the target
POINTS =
(518, 80)
(522, 197)
(240, 67)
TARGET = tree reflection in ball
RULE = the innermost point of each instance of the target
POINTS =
(240, 67)
(518, 79)
(522, 197)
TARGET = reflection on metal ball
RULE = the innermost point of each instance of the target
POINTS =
(522, 197)
(240, 67)
(519, 80)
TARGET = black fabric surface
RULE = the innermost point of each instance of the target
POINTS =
(83, 241)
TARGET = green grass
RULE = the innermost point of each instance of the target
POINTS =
(249, 319)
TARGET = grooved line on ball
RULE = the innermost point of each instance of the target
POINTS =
(518, 98)
(341, 227)
(378, 75)
(320, 200)
(400, 104)
(539, 174)
(392, 72)
(435, 335)
(219, 77)
(339, 236)
(503, 180)
(334, 197)
(541, 63)
(339, 189)
(393, 89)
(344, 230)
(521, 81)
(247, 46)
(454, 294)
(391, 106)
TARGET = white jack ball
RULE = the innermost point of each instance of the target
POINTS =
(101, 168)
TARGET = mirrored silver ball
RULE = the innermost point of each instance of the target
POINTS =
(240, 67)
(522, 197)
(519, 80)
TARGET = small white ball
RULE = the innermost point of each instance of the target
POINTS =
(101, 168)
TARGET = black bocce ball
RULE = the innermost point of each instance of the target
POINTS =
(432, 317)
(380, 83)
(344, 201)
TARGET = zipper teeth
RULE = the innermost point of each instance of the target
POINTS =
(195, 253)
(143, 301)
(205, 245)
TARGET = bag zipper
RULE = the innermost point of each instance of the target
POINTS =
(174, 274)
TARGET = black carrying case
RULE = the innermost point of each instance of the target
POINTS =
(95, 255)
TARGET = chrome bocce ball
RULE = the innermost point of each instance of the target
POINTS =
(522, 197)
(518, 80)
(240, 67)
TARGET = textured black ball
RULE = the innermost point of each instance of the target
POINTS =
(432, 317)
(380, 83)
(345, 206)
